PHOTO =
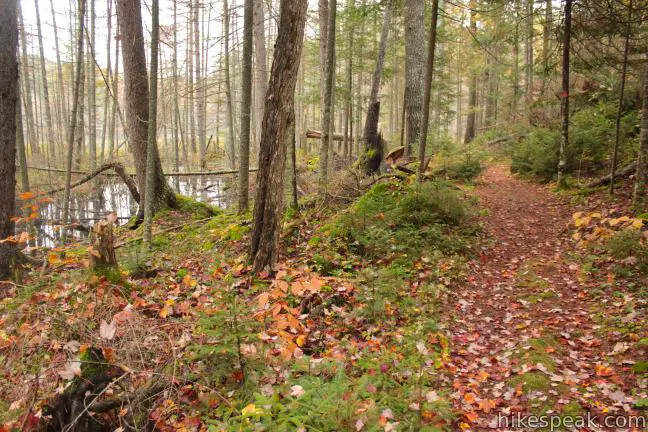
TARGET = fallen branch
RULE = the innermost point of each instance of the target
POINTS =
(166, 174)
(503, 139)
(119, 171)
(315, 134)
(624, 172)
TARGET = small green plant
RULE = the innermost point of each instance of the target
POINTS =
(629, 248)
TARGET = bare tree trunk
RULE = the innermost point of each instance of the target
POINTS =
(20, 146)
(323, 44)
(639, 196)
(29, 109)
(231, 152)
(564, 106)
(112, 132)
(268, 209)
(327, 106)
(200, 90)
(348, 112)
(8, 103)
(516, 63)
(151, 145)
(62, 103)
(472, 91)
(246, 107)
(291, 166)
(261, 71)
(428, 90)
(80, 136)
(52, 144)
(414, 66)
(137, 96)
(617, 130)
(191, 91)
(92, 84)
(546, 45)
(106, 104)
(528, 55)
(371, 138)
(176, 106)
(73, 116)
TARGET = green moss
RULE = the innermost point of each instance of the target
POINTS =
(531, 381)
(641, 367)
(537, 353)
(197, 209)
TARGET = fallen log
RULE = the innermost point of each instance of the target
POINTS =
(503, 139)
(315, 134)
(166, 174)
(119, 171)
(623, 172)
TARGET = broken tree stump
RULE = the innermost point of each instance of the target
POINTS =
(102, 246)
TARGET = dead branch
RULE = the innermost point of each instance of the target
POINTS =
(119, 171)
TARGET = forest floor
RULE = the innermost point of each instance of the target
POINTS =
(539, 331)
(444, 306)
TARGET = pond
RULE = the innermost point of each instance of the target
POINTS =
(89, 206)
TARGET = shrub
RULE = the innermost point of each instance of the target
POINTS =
(466, 169)
(537, 154)
(629, 247)
(395, 219)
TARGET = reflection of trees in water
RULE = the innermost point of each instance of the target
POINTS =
(110, 194)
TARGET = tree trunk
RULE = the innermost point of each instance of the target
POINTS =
(106, 114)
(639, 197)
(268, 209)
(516, 63)
(564, 106)
(528, 56)
(624, 68)
(323, 44)
(370, 160)
(63, 106)
(137, 97)
(348, 112)
(246, 107)
(291, 166)
(20, 147)
(24, 71)
(429, 73)
(546, 45)
(112, 131)
(327, 106)
(92, 85)
(151, 145)
(200, 90)
(8, 103)
(472, 91)
(231, 152)
(52, 144)
(261, 71)
(414, 67)
(73, 116)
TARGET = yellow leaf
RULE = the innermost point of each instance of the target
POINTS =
(637, 223)
(251, 410)
(300, 340)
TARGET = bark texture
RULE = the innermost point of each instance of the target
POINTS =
(8, 101)
(472, 91)
(564, 106)
(261, 68)
(137, 97)
(414, 67)
(268, 209)
(246, 106)
(327, 104)
(370, 160)
(428, 90)
(639, 197)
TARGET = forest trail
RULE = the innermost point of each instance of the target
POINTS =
(523, 337)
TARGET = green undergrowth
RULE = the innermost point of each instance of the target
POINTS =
(401, 221)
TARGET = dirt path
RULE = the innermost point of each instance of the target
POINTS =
(523, 337)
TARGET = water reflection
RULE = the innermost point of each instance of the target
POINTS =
(111, 195)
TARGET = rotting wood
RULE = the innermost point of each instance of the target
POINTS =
(102, 246)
